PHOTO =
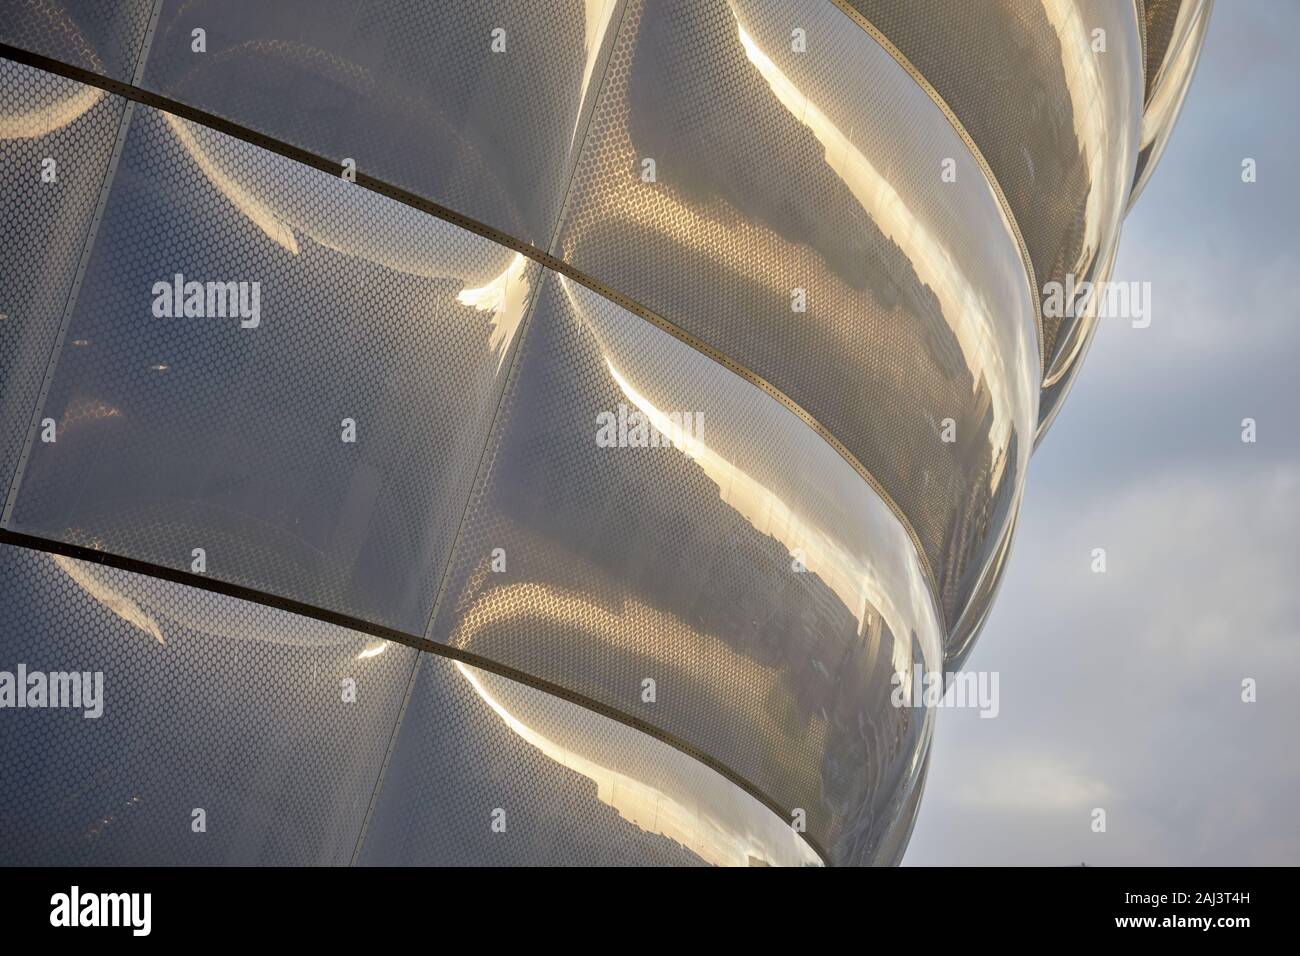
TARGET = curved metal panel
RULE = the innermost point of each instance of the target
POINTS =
(736, 561)
(967, 628)
(786, 181)
(57, 138)
(105, 36)
(204, 703)
(1054, 395)
(671, 366)
(1073, 345)
(1064, 153)
(487, 771)
(907, 804)
(1174, 72)
(1168, 24)
(477, 106)
(272, 365)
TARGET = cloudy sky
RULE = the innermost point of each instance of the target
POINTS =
(1123, 690)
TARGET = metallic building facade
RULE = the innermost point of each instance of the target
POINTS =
(312, 315)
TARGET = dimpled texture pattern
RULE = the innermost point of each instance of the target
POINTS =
(568, 787)
(625, 563)
(410, 89)
(1055, 121)
(776, 172)
(1160, 16)
(195, 432)
(104, 36)
(43, 225)
(240, 710)
(239, 713)
(688, 512)
(1171, 64)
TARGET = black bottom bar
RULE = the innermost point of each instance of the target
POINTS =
(639, 909)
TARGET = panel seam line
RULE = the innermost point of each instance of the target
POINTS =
(547, 260)
(516, 348)
(388, 757)
(83, 263)
(1030, 275)
(396, 636)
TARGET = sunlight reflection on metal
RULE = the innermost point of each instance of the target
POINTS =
(506, 297)
(967, 311)
(709, 834)
(597, 16)
(53, 113)
(859, 586)
(258, 212)
(107, 595)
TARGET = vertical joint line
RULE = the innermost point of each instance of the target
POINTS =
(589, 109)
(388, 756)
(74, 293)
(507, 381)
(511, 369)
(137, 78)
(451, 556)
(69, 307)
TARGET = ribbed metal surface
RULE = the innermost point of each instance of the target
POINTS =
(241, 711)
(863, 242)
(194, 431)
(1161, 19)
(1169, 73)
(680, 565)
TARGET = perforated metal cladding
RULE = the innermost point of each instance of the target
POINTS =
(413, 91)
(214, 207)
(904, 813)
(781, 175)
(1168, 79)
(239, 710)
(196, 432)
(56, 138)
(207, 703)
(747, 570)
(961, 637)
(105, 36)
(1056, 121)
(619, 564)
(1161, 18)
(487, 771)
